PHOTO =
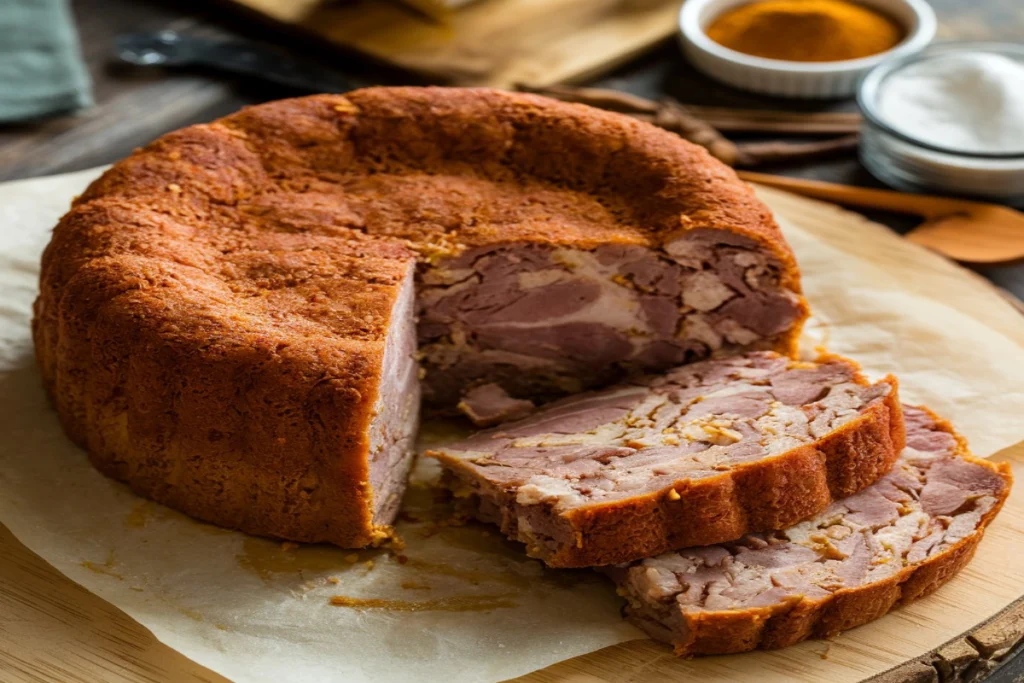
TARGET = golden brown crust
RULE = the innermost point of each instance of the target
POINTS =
(212, 310)
(523, 167)
(761, 496)
(793, 621)
(765, 495)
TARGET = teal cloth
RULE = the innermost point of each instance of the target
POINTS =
(41, 68)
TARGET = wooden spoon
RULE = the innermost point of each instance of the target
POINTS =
(963, 230)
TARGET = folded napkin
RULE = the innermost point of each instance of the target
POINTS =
(41, 68)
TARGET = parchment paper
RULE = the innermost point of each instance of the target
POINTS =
(459, 603)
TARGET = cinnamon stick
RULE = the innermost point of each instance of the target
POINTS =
(671, 116)
(602, 98)
(752, 154)
(732, 120)
(722, 118)
(682, 120)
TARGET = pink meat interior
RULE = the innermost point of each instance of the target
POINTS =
(931, 500)
(696, 421)
(541, 321)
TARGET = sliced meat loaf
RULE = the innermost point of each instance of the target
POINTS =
(704, 454)
(227, 319)
(893, 542)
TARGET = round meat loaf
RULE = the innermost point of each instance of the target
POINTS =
(703, 454)
(892, 543)
(227, 318)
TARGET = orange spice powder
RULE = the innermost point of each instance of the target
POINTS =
(805, 30)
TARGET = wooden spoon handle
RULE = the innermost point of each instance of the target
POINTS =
(900, 202)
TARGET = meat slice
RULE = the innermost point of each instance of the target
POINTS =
(704, 454)
(488, 404)
(893, 542)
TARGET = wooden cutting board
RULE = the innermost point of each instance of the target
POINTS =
(54, 631)
(489, 43)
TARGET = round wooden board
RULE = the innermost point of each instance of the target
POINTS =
(54, 630)
(51, 629)
(968, 657)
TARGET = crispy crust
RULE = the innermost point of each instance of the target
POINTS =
(765, 495)
(213, 309)
(732, 631)
(199, 404)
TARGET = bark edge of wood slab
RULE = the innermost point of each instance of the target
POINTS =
(961, 229)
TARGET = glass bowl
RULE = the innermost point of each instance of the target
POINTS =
(904, 162)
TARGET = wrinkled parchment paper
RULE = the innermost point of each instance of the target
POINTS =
(459, 603)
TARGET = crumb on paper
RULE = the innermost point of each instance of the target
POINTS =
(457, 519)
(351, 558)
(368, 564)
(333, 579)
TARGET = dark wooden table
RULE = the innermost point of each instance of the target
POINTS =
(136, 105)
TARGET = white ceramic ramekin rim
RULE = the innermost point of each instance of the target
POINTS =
(918, 36)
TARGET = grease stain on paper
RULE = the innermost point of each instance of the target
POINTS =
(144, 512)
(140, 515)
(268, 560)
(106, 568)
(473, 577)
(191, 614)
(457, 603)
(520, 571)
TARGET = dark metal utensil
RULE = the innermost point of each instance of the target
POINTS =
(170, 48)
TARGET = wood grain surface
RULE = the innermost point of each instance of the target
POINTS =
(51, 629)
(497, 43)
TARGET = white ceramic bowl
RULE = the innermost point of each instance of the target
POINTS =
(795, 79)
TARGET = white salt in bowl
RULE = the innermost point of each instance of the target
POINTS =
(895, 156)
(806, 80)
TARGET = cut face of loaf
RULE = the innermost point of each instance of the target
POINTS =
(395, 418)
(893, 542)
(703, 454)
(541, 321)
(227, 318)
